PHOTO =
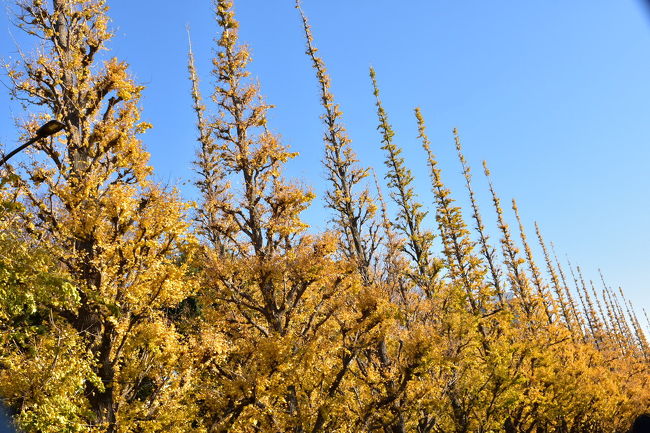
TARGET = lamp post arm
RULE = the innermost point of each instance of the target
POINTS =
(18, 149)
(46, 130)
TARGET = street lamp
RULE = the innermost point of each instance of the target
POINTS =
(50, 128)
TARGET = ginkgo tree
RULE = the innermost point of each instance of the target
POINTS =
(103, 356)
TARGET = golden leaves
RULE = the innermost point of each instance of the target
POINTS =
(118, 314)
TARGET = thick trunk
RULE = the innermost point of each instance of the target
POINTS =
(101, 335)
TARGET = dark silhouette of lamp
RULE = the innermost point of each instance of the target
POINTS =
(46, 130)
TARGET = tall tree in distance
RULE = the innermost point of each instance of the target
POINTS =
(351, 202)
(410, 216)
(464, 268)
(212, 180)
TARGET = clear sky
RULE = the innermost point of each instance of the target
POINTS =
(554, 94)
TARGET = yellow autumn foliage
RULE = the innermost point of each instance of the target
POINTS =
(124, 308)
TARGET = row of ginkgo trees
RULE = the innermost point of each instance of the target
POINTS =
(124, 310)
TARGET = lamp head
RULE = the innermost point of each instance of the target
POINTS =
(50, 128)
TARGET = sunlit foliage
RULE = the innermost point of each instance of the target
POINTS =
(125, 309)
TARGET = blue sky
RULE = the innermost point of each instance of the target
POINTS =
(554, 95)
